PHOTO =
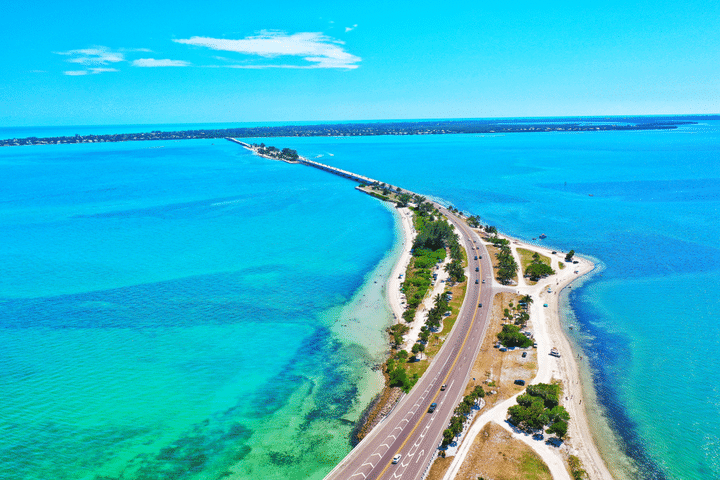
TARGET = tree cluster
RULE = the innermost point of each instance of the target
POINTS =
(397, 375)
(539, 407)
(537, 269)
(510, 336)
(461, 413)
(569, 256)
(507, 266)
(518, 313)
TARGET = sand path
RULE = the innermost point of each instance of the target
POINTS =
(548, 334)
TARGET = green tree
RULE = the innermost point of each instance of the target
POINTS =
(569, 256)
(536, 271)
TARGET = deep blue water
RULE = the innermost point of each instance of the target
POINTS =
(177, 307)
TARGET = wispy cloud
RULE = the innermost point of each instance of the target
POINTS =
(152, 62)
(350, 29)
(319, 50)
(93, 56)
(92, 71)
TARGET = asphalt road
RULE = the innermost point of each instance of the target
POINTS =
(410, 430)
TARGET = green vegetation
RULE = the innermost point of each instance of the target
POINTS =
(396, 332)
(490, 229)
(473, 221)
(461, 413)
(539, 407)
(561, 265)
(285, 154)
(569, 256)
(510, 336)
(435, 237)
(576, 468)
(539, 268)
(532, 467)
(507, 266)
(397, 375)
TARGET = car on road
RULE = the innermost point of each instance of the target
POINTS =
(432, 408)
(520, 382)
(476, 282)
(443, 387)
(483, 281)
(475, 257)
(477, 269)
(479, 305)
(397, 458)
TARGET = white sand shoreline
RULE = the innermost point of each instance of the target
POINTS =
(549, 334)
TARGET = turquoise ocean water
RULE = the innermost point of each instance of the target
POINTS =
(192, 311)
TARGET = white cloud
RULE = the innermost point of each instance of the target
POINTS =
(76, 73)
(152, 62)
(93, 56)
(321, 51)
(102, 70)
(350, 29)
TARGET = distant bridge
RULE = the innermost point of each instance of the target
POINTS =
(334, 170)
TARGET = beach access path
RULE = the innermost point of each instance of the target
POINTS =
(549, 334)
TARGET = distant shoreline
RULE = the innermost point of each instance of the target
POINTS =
(440, 127)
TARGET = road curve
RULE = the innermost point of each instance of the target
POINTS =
(410, 430)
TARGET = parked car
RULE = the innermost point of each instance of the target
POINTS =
(524, 354)
(520, 382)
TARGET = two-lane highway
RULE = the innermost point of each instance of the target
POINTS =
(410, 430)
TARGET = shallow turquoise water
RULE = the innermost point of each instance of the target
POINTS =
(183, 309)
(167, 313)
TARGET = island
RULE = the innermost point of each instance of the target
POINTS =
(437, 127)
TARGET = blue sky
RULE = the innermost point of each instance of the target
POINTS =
(84, 63)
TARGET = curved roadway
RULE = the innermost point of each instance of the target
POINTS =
(410, 430)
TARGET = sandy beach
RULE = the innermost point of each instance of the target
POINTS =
(548, 332)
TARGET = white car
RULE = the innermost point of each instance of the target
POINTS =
(397, 458)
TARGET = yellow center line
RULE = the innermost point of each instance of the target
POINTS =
(462, 347)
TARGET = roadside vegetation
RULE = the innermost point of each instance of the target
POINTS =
(507, 267)
(461, 413)
(434, 241)
(539, 407)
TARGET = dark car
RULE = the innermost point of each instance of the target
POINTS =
(520, 382)
(524, 354)
(477, 269)
(476, 281)
(475, 257)
(432, 408)
(479, 305)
